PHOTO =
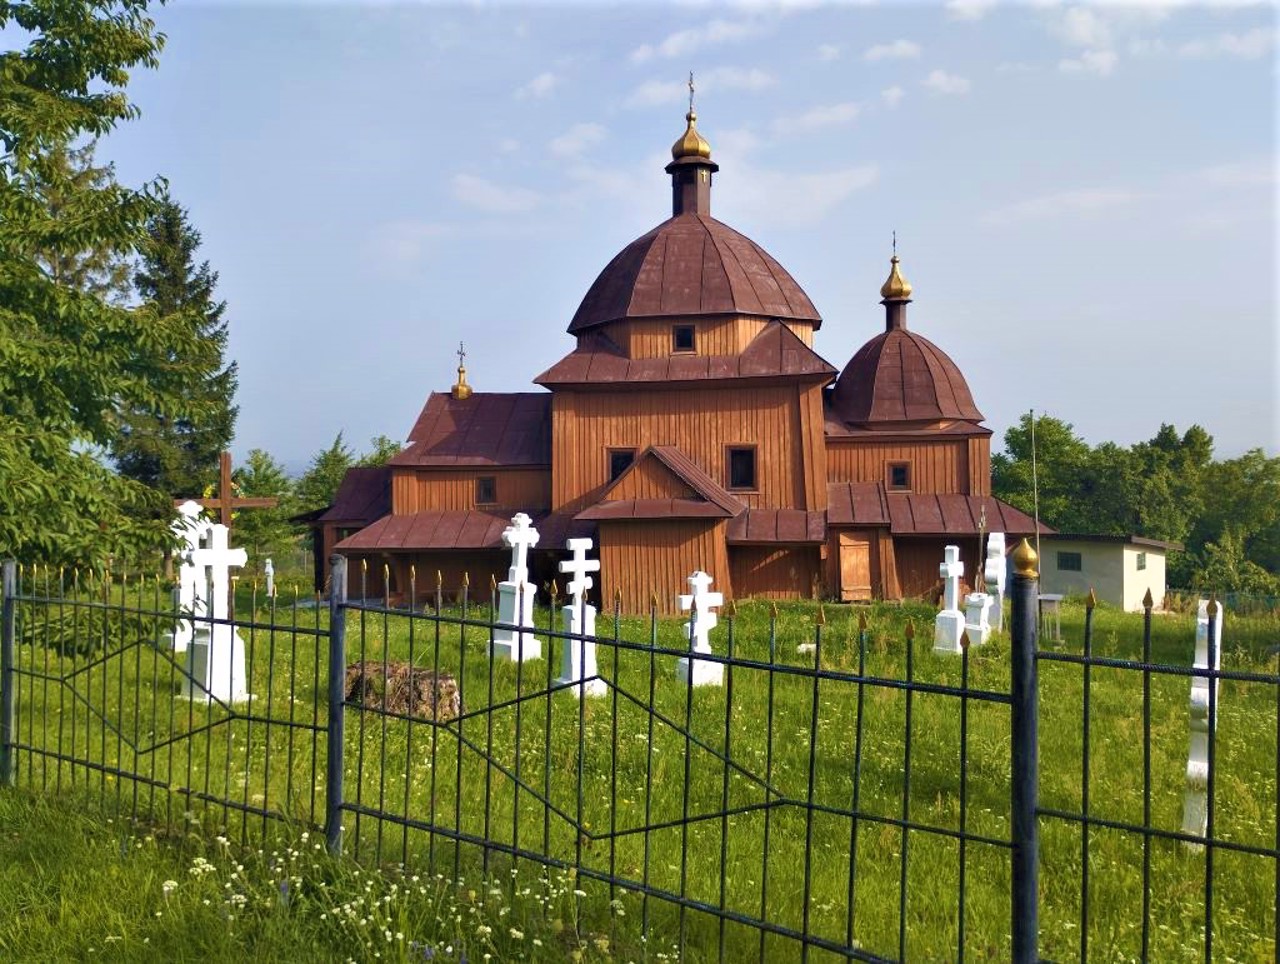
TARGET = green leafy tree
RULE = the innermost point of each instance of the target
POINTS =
(179, 456)
(319, 484)
(265, 533)
(382, 450)
(72, 358)
(1061, 464)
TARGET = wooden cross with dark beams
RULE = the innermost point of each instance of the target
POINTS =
(225, 501)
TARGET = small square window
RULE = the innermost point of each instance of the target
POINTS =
(899, 476)
(486, 490)
(1070, 562)
(682, 338)
(742, 468)
(619, 461)
(1142, 560)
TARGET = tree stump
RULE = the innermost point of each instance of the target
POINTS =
(397, 687)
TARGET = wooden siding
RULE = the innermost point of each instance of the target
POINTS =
(919, 559)
(702, 423)
(652, 338)
(650, 479)
(766, 572)
(940, 466)
(980, 465)
(644, 559)
(813, 447)
(420, 490)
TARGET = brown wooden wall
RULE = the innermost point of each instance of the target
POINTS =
(650, 479)
(775, 572)
(702, 423)
(980, 465)
(919, 559)
(936, 466)
(417, 490)
(884, 565)
(648, 558)
(644, 338)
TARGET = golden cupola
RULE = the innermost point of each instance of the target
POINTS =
(691, 143)
(896, 287)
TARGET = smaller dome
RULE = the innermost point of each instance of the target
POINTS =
(691, 144)
(896, 288)
(898, 377)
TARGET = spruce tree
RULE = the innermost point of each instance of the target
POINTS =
(179, 456)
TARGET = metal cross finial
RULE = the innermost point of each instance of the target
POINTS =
(462, 355)
(691, 92)
(895, 244)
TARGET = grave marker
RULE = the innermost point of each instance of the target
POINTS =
(948, 627)
(191, 597)
(994, 574)
(578, 663)
(215, 656)
(700, 672)
(1195, 804)
(515, 597)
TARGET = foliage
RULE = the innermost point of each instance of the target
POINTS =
(179, 456)
(264, 533)
(70, 358)
(1227, 514)
(382, 450)
(319, 484)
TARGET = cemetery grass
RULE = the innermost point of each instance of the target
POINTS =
(610, 766)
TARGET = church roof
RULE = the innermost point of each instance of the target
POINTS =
(692, 264)
(682, 490)
(466, 529)
(363, 495)
(777, 526)
(484, 428)
(900, 376)
(775, 352)
(923, 514)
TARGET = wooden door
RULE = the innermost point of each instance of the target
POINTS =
(855, 566)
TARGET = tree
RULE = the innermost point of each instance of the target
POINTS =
(179, 456)
(1061, 463)
(72, 358)
(383, 450)
(264, 532)
(319, 484)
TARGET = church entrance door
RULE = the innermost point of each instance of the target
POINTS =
(855, 566)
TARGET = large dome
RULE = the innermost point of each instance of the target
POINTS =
(692, 265)
(900, 376)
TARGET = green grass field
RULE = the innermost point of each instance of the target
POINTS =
(612, 767)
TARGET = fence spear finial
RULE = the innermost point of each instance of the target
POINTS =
(1148, 601)
(821, 618)
(1213, 605)
(910, 631)
(862, 622)
(1090, 600)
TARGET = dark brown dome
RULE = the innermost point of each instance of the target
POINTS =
(692, 265)
(900, 376)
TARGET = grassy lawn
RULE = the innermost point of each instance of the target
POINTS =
(580, 782)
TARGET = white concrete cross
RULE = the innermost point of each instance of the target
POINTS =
(215, 658)
(994, 574)
(269, 570)
(519, 537)
(193, 585)
(578, 567)
(948, 627)
(578, 658)
(701, 621)
(1195, 804)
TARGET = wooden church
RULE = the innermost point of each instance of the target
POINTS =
(693, 426)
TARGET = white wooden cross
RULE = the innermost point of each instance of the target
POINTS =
(578, 567)
(215, 658)
(951, 570)
(701, 621)
(217, 560)
(519, 537)
(948, 625)
(193, 585)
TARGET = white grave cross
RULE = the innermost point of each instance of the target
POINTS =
(215, 658)
(994, 576)
(192, 600)
(1195, 804)
(515, 597)
(519, 537)
(948, 627)
(700, 672)
(578, 663)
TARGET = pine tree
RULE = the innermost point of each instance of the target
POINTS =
(179, 456)
(319, 484)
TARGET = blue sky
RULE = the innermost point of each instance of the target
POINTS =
(1084, 195)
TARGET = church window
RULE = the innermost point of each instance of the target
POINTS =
(742, 468)
(899, 476)
(486, 490)
(619, 461)
(682, 338)
(1070, 562)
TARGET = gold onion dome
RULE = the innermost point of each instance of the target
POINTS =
(896, 287)
(692, 144)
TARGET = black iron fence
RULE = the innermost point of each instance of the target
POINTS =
(844, 794)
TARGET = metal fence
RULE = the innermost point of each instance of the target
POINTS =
(844, 795)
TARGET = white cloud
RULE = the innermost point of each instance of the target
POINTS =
(892, 96)
(1100, 62)
(1081, 203)
(654, 93)
(539, 87)
(810, 197)
(898, 50)
(828, 52)
(1084, 27)
(577, 139)
(1244, 46)
(816, 118)
(968, 9)
(400, 244)
(494, 198)
(941, 82)
(685, 42)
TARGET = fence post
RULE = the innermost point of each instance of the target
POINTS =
(1023, 630)
(7, 718)
(337, 697)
